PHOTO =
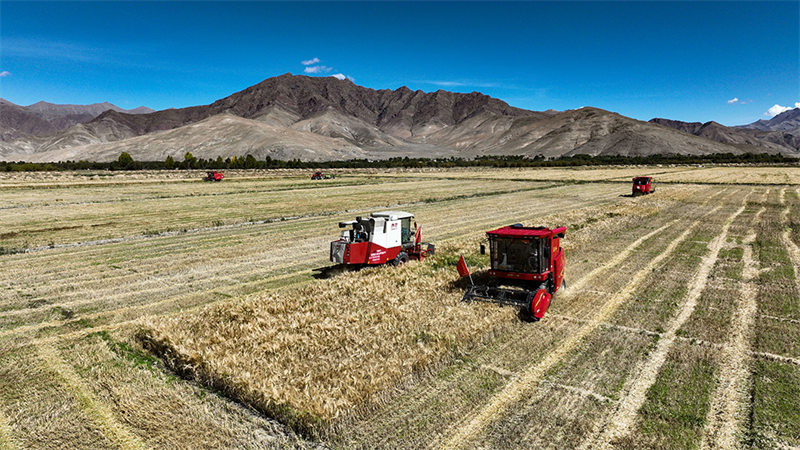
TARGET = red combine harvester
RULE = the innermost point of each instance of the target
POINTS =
(383, 237)
(213, 175)
(527, 269)
(643, 186)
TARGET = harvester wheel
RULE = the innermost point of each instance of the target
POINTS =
(401, 259)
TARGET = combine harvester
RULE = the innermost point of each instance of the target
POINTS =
(642, 186)
(383, 237)
(213, 175)
(321, 176)
(527, 269)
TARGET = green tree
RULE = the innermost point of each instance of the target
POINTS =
(189, 161)
(126, 161)
(169, 163)
(250, 162)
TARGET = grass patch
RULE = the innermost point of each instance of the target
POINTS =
(674, 412)
(775, 415)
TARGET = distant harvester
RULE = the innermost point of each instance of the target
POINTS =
(643, 186)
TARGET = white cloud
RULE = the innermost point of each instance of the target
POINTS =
(309, 62)
(341, 76)
(777, 109)
(733, 100)
(4, 73)
(317, 69)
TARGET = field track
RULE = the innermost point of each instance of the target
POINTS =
(633, 399)
(680, 325)
(526, 381)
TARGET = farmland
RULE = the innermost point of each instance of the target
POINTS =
(149, 310)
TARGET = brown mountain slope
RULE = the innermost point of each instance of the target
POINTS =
(45, 119)
(328, 136)
(595, 131)
(16, 122)
(787, 121)
(400, 113)
(773, 140)
(63, 116)
(213, 137)
(323, 117)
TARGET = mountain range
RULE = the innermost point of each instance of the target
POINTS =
(42, 118)
(324, 118)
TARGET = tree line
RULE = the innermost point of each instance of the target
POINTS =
(126, 162)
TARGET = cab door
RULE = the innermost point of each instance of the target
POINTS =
(407, 236)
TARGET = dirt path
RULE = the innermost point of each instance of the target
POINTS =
(94, 408)
(730, 399)
(626, 412)
(523, 382)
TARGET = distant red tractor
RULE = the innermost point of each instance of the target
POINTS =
(643, 186)
(383, 237)
(213, 175)
(527, 269)
(321, 176)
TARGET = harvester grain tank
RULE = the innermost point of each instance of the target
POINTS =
(527, 269)
(383, 237)
(643, 186)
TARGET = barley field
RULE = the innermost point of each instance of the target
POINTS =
(152, 310)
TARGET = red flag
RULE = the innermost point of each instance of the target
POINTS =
(418, 236)
(462, 267)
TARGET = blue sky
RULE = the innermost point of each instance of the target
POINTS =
(684, 61)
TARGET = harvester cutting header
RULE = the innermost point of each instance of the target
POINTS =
(527, 268)
(383, 237)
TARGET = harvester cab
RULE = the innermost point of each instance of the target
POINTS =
(643, 186)
(527, 269)
(383, 237)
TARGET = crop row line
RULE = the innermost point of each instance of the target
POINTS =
(625, 414)
(81, 255)
(686, 339)
(203, 194)
(169, 281)
(93, 407)
(730, 399)
(514, 390)
(267, 221)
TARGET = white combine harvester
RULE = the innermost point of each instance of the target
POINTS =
(383, 237)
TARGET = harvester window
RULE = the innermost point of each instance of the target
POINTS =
(362, 230)
(516, 255)
(641, 181)
(406, 233)
(545, 262)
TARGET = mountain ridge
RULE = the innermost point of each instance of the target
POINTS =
(44, 118)
(323, 117)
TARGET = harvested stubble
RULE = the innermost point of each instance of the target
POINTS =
(315, 356)
(311, 356)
